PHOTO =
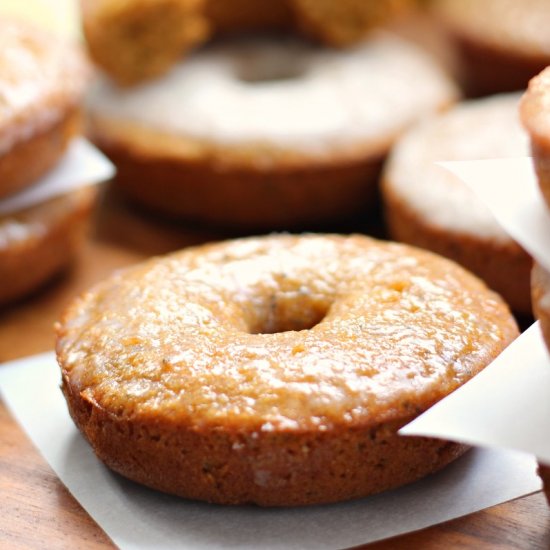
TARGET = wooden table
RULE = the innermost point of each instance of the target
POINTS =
(36, 511)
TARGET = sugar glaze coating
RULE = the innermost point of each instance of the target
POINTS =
(309, 342)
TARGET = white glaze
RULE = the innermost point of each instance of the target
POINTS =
(41, 77)
(482, 129)
(342, 98)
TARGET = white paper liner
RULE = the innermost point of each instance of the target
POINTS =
(137, 518)
(509, 188)
(81, 165)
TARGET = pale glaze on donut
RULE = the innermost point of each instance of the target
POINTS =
(281, 333)
(335, 102)
(483, 129)
(41, 79)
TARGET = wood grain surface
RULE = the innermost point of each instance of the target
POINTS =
(37, 511)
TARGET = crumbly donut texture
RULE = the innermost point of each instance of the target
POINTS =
(135, 40)
(503, 43)
(37, 243)
(275, 370)
(42, 81)
(535, 114)
(261, 133)
(427, 206)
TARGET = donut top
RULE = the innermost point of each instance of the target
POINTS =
(517, 25)
(481, 129)
(281, 332)
(287, 94)
(535, 108)
(41, 77)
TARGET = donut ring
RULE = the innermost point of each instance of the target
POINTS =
(275, 370)
(230, 138)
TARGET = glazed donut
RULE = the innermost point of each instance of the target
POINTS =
(502, 43)
(265, 134)
(427, 206)
(36, 243)
(535, 115)
(42, 81)
(275, 370)
(135, 40)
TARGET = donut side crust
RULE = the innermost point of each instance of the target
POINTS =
(30, 159)
(28, 264)
(197, 184)
(266, 469)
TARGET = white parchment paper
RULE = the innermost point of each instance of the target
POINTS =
(81, 165)
(137, 518)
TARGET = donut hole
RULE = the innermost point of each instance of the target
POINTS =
(289, 312)
(271, 63)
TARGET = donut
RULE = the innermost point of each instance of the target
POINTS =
(502, 43)
(266, 134)
(40, 241)
(42, 80)
(275, 370)
(535, 115)
(427, 206)
(135, 40)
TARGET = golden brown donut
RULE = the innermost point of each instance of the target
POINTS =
(275, 370)
(503, 43)
(37, 243)
(42, 81)
(259, 134)
(535, 114)
(427, 206)
(135, 40)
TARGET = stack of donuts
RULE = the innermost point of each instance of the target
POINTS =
(42, 82)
